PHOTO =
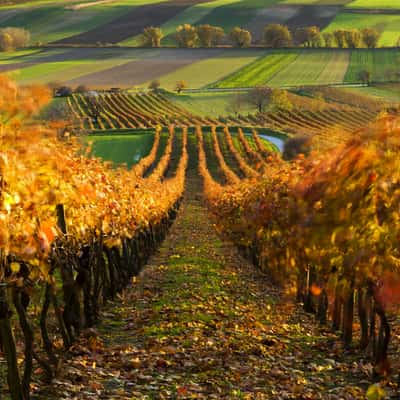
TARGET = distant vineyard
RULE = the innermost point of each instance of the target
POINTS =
(329, 125)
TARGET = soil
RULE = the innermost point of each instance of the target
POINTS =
(146, 69)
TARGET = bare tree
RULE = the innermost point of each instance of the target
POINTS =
(259, 97)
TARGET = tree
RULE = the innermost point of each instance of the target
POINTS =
(180, 85)
(352, 38)
(186, 35)
(277, 35)
(260, 97)
(295, 146)
(370, 37)
(209, 35)
(309, 36)
(365, 76)
(279, 100)
(6, 42)
(81, 89)
(13, 38)
(339, 35)
(152, 36)
(240, 37)
(329, 39)
(154, 85)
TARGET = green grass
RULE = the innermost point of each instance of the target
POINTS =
(122, 149)
(209, 104)
(388, 25)
(386, 92)
(378, 63)
(310, 68)
(202, 73)
(260, 71)
(374, 4)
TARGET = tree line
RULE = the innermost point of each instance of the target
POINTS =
(274, 36)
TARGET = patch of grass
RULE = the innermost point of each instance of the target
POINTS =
(260, 71)
(210, 103)
(121, 149)
(305, 69)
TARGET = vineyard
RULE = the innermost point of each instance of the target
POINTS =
(76, 230)
(328, 124)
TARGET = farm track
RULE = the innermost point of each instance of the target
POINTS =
(201, 322)
(132, 23)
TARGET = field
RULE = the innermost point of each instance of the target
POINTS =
(382, 66)
(313, 67)
(387, 24)
(121, 149)
(200, 68)
(122, 21)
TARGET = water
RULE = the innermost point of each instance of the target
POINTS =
(278, 142)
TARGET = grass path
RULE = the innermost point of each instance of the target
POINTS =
(202, 323)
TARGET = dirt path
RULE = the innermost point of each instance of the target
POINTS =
(202, 323)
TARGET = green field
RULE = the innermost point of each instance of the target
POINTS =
(292, 68)
(381, 64)
(260, 71)
(211, 104)
(122, 149)
(391, 4)
(388, 25)
(201, 73)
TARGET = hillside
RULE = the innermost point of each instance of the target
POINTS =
(121, 21)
